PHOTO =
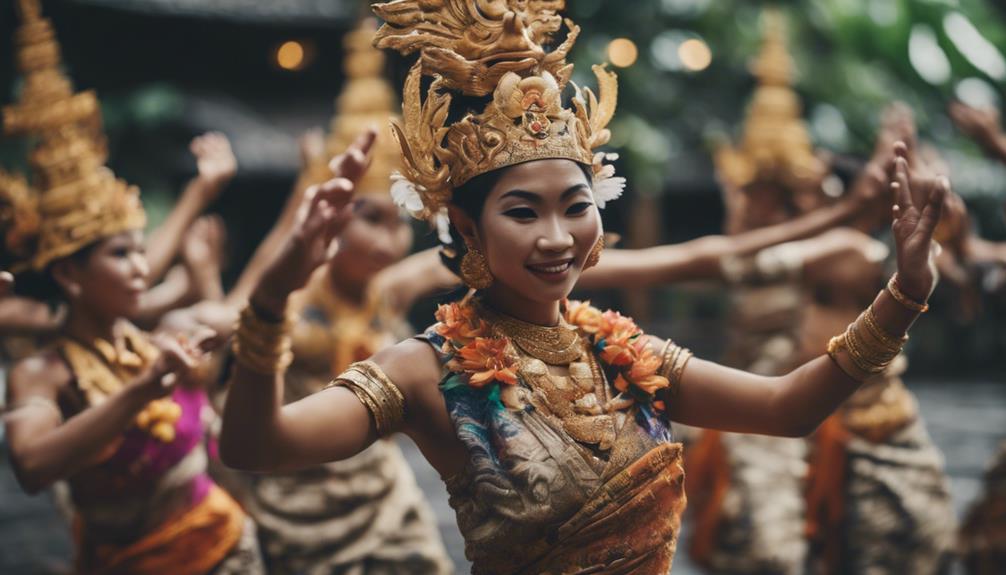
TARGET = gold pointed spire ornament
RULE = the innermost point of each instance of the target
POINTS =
(72, 199)
(491, 56)
(366, 100)
(776, 146)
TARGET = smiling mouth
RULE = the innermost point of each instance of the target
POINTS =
(551, 268)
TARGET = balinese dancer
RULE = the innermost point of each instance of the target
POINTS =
(365, 514)
(550, 423)
(106, 408)
(747, 490)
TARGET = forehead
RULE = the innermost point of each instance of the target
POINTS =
(542, 177)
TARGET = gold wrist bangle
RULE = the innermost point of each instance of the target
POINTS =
(879, 333)
(897, 294)
(261, 345)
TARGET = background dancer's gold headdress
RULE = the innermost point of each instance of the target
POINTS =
(72, 199)
(776, 146)
(367, 99)
(494, 50)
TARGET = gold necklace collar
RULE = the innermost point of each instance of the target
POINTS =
(555, 345)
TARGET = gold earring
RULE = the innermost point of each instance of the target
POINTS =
(595, 254)
(475, 269)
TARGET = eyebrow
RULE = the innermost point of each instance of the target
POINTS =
(536, 198)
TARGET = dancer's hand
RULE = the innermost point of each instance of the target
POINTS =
(325, 211)
(215, 160)
(918, 204)
(177, 363)
(982, 125)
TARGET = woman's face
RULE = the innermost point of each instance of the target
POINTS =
(377, 236)
(111, 280)
(537, 228)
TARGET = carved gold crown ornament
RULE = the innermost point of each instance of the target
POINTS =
(491, 53)
(72, 199)
(776, 146)
(367, 99)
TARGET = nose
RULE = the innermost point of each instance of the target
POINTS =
(141, 267)
(554, 237)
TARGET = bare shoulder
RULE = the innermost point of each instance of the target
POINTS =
(412, 365)
(44, 373)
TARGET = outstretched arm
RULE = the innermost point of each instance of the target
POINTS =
(700, 259)
(216, 167)
(43, 449)
(794, 404)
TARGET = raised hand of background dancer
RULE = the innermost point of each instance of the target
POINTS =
(919, 200)
(322, 215)
(202, 255)
(982, 126)
(215, 162)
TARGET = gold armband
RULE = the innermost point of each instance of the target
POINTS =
(260, 345)
(895, 290)
(675, 358)
(378, 393)
(869, 350)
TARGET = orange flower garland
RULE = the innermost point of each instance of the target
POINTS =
(620, 343)
(486, 359)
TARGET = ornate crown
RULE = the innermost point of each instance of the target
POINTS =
(493, 50)
(366, 100)
(775, 146)
(73, 199)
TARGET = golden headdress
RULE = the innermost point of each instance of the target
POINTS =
(776, 146)
(366, 100)
(494, 50)
(73, 199)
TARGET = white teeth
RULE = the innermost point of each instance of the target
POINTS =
(552, 269)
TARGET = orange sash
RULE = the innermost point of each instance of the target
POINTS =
(190, 544)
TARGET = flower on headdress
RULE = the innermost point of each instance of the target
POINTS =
(459, 324)
(607, 187)
(442, 223)
(406, 194)
(584, 316)
(485, 360)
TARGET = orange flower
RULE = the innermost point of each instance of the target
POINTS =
(643, 372)
(584, 316)
(618, 347)
(485, 360)
(613, 322)
(459, 324)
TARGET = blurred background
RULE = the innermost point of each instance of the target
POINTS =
(263, 72)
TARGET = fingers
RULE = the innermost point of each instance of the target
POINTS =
(900, 186)
(933, 210)
(352, 163)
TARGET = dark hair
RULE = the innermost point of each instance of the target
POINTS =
(42, 286)
(470, 198)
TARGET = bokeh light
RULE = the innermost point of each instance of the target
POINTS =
(695, 54)
(290, 55)
(622, 52)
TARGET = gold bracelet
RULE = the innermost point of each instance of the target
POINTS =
(261, 345)
(879, 333)
(675, 358)
(377, 393)
(870, 359)
(897, 294)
